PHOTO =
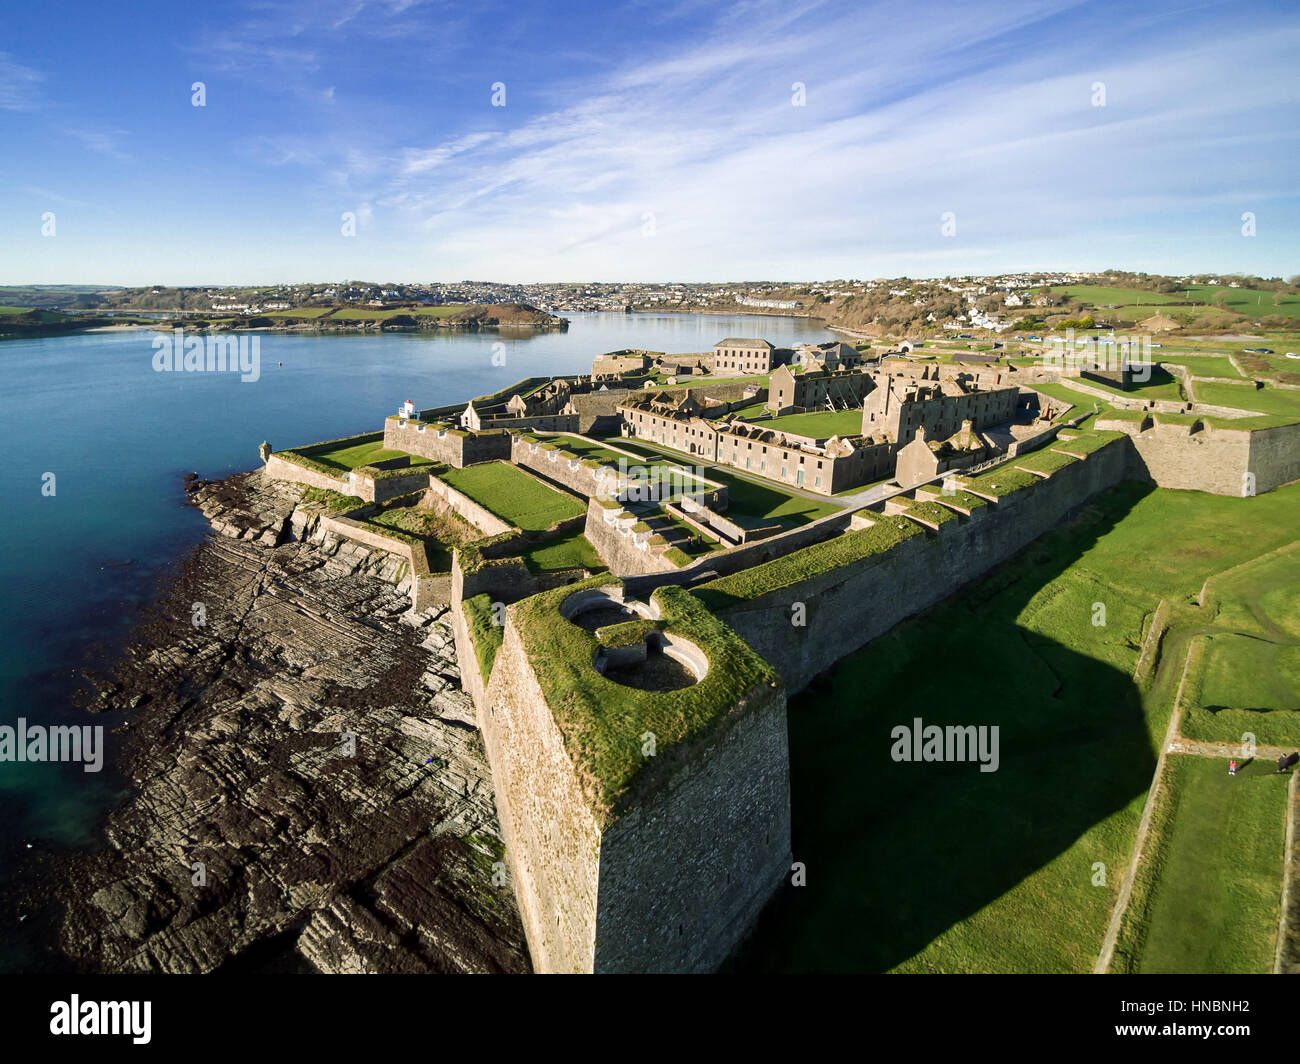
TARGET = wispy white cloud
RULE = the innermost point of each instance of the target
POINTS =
(20, 85)
(106, 142)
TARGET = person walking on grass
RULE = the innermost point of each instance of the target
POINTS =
(1232, 767)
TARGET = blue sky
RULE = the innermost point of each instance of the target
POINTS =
(644, 141)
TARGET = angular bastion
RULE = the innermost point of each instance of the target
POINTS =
(641, 770)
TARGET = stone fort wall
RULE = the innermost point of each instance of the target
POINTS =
(672, 884)
(454, 447)
(1212, 459)
(850, 606)
(684, 875)
(553, 843)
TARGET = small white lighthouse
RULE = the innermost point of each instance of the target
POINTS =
(407, 409)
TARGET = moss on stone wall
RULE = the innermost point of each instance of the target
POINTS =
(1045, 461)
(933, 512)
(844, 549)
(332, 502)
(484, 633)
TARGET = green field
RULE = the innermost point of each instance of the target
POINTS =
(1075, 403)
(514, 495)
(1162, 385)
(1101, 295)
(1244, 673)
(1208, 889)
(1204, 365)
(571, 552)
(1245, 397)
(301, 312)
(351, 456)
(940, 868)
(750, 410)
(1249, 301)
(752, 503)
(588, 448)
(819, 425)
(1215, 300)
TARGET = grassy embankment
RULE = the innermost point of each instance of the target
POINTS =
(938, 867)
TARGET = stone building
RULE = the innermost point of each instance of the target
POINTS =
(832, 355)
(815, 389)
(823, 466)
(923, 458)
(738, 356)
(900, 404)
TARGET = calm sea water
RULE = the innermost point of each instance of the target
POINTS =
(76, 567)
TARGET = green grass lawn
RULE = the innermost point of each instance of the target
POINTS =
(514, 495)
(1204, 365)
(749, 410)
(572, 552)
(1162, 385)
(301, 312)
(1249, 301)
(1244, 397)
(1104, 296)
(352, 456)
(752, 502)
(1208, 889)
(1074, 402)
(937, 867)
(588, 448)
(1245, 674)
(820, 424)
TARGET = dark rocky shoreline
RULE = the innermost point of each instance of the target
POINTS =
(235, 748)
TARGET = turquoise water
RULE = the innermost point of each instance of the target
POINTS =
(118, 436)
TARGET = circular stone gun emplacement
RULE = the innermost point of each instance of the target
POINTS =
(660, 662)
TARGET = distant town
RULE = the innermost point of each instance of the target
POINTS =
(906, 307)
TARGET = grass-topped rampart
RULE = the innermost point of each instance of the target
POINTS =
(604, 723)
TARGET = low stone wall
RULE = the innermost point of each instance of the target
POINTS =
(723, 563)
(384, 489)
(627, 553)
(537, 423)
(278, 468)
(461, 504)
(569, 473)
(426, 589)
(506, 580)
(713, 524)
(588, 480)
(848, 607)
